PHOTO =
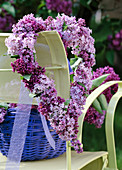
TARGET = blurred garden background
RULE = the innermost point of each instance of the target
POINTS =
(104, 17)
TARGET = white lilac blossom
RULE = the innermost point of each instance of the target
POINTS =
(62, 116)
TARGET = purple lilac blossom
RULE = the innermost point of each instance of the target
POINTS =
(2, 114)
(6, 21)
(13, 105)
(92, 116)
(74, 34)
(115, 42)
(60, 6)
(113, 76)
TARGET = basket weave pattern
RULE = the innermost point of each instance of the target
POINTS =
(36, 145)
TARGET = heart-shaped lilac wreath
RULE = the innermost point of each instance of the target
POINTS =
(63, 115)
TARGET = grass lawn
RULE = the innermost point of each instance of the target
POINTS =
(97, 136)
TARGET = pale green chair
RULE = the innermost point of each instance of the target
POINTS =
(51, 54)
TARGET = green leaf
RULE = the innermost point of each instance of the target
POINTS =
(86, 95)
(101, 48)
(31, 95)
(15, 1)
(97, 106)
(9, 8)
(77, 46)
(0, 10)
(93, 24)
(21, 77)
(76, 56)
(15, 56)
(110, 57)
(65, 26)
(96, 82)
(89, 2)
(73, 60)
(101, 31)
(81, 84)
(27, 77)
(103, 102)
(5, 105)
(41, 5)
(85, 3)
(34, 56)
(71, 78)
(67, 102)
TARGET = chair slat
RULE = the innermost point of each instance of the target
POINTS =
(57, 57)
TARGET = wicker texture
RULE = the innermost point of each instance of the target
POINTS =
(36, 145)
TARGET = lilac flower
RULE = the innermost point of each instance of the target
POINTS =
(6, 21)
(74, 34)
(89, 60)
(63, 117)
(113, 76)
(12, 105)
(60, 6)
(29, 24)
(92, 116)
(2, 114)
(115, 42)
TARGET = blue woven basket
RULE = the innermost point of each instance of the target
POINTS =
(36, 145)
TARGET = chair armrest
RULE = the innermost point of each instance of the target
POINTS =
(90, 100)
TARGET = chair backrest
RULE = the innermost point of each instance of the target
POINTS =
(50, 53)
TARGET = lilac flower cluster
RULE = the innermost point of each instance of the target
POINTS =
(6, 21)
(2, 114)
(60, 6)
(113, 76)
(13, 105)
(79, 88)
(116, 41)
(74, 35)
(63, 115)
(92, 116)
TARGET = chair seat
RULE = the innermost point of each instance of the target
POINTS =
(79, 161)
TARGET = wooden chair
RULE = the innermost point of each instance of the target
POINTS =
(51, 54)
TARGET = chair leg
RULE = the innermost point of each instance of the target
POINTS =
(105, 162)
(68, 155)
